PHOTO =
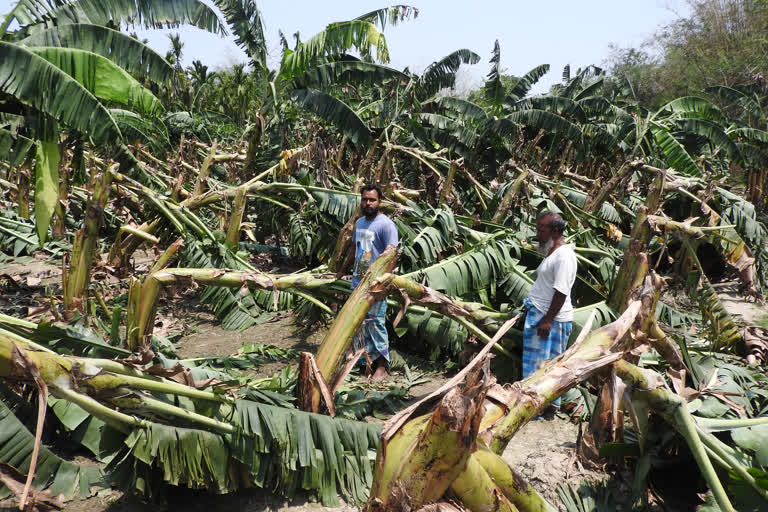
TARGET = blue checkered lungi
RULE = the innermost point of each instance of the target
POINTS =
(372, 335)
(536, 350)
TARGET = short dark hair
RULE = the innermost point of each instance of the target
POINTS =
(557, 223)
(372, 186)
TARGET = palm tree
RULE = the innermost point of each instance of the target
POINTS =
(177, 49)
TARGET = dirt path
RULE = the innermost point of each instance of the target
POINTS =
(737, 305)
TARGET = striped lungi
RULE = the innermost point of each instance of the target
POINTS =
(372, 335)
(537, 350)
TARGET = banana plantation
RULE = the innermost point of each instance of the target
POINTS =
(148, 188)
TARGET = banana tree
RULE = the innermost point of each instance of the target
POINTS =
(64, 63)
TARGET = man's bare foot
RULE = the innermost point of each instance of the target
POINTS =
(380, 374)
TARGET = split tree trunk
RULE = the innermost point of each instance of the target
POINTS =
(78, 275)
(338, 340)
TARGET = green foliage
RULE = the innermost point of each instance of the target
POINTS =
(717, 44)
(473, 270)
(244, 18)
(125, 51)
(441, 74)
(163, 14)
(13, 147)
(335, 40)
(237, 309)
(308, 451)
(53, 473)
(101, 77)
(356, 404)
(335, 111)
(71, 103)
(589, 497)
(46, 185)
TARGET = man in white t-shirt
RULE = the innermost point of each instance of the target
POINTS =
(549, 315)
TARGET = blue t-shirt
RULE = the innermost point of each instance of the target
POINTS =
(371, 238)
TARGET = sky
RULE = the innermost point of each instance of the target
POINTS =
(530, 32)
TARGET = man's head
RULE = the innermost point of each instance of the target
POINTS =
(370, 200)
(549, 227)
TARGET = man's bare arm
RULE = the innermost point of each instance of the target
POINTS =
(347, 263)
(545, 324)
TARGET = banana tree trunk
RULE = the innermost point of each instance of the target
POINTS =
(486, 467)
(205, 171)
(339, 337)
(343, 243)
(602, 347)
(238, 209)
(607, 422)
(596, 197)
(509, 197)
(23, 175)
(418, 462)
(58, 229)
(86, 242)
(478, 492)
(448, 184)
(634, 266)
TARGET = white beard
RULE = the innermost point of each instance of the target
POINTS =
(544, 248)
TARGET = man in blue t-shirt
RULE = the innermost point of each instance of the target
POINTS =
(374, 232)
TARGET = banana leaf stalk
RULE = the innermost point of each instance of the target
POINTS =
(422, 295)
(150, 289)
(728, 459)
(650, 387)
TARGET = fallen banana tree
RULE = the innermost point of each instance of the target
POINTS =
(475, 474)
(376, 285)
(205, 437)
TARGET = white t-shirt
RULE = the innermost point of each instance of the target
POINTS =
(556, 272)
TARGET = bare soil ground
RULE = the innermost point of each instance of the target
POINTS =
(749, 311)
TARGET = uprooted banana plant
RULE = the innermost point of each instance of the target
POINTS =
(204, 437)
